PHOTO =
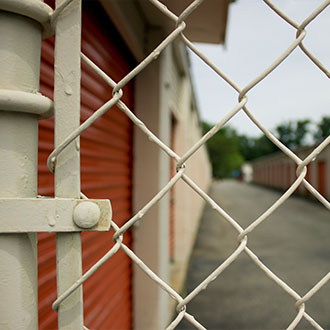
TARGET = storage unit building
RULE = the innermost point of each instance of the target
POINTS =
(119, 163)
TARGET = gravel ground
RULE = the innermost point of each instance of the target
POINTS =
(294, 242)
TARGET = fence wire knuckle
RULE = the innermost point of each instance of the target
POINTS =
(241, 106)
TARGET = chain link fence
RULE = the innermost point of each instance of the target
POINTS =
(242, 105)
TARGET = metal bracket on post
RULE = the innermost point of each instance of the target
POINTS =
(26, 215)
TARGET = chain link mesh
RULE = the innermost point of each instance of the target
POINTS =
(178, 32)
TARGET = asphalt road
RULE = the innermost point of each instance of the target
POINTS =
(294, 242)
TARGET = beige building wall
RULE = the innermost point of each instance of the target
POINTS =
(164, 95)
(279, 179)
(188, 205)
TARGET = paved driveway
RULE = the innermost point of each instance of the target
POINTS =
(294, 243)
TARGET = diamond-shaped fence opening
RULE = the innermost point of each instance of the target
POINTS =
(241, 106)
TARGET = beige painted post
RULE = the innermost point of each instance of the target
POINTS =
(67, 171)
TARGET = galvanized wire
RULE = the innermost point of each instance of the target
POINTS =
(178, 32)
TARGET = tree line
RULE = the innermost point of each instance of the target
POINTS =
(228, 149)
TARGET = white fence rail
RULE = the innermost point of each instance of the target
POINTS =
(66, 148)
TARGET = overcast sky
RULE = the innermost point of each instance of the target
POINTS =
(256, 36)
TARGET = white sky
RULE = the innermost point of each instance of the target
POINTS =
(256, 36)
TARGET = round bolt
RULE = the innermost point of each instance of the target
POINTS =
(86, 215)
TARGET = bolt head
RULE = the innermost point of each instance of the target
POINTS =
(86, 214)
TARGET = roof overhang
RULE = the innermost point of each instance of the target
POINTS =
(207, 23)
(133, 18)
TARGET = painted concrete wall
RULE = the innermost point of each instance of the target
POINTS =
(150, 174)
(279, 171)
(164, 95)
(187, 204)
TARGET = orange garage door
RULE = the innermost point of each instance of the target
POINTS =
(322, 177)
(106, 165)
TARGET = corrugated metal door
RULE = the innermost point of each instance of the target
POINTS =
(288, 176)
(322, 177)
(106, 165)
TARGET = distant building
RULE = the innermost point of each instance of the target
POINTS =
(279, 171)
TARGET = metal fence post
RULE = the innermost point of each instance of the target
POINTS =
(20, 107)
(67, 171)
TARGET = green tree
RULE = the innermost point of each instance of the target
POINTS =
(285, 133)
(228, 149)
(252, 148)
(302, 129)
(247, 147)
(223, 149)
(293, 134)
(323, 129)
(263, 146)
